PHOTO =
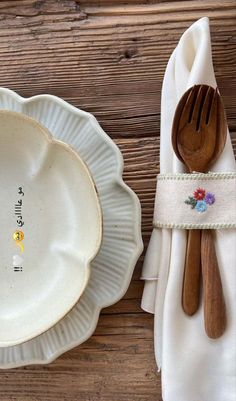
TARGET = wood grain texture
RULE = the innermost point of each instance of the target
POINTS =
(192, 273)
(108, 57)
(213, 294)
(199, 134)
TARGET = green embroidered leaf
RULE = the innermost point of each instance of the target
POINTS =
(191, 201)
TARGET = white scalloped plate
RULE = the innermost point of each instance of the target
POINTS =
(112, 269)
(51, 228)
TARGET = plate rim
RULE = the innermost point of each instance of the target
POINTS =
(136, 231)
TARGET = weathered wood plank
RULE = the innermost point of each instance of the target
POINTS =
(99, 370)
(109, 60)
(108, 57)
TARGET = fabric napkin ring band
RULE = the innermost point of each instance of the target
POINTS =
(195, 200)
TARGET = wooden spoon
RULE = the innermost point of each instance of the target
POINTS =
(198, 138)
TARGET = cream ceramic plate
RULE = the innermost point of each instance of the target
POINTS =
(50, 228)
(112, 268)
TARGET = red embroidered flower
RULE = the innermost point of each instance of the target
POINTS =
(199, 194)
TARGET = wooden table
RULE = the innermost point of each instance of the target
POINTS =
(108, 59)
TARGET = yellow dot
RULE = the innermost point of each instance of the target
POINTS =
(18, 236)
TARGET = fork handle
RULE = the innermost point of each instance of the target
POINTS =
(214, 303)
(192, 273)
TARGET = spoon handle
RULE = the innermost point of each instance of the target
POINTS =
(192, 273)
(214, 304)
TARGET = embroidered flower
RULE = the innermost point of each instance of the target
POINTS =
(201, 206)
(210, 198)
(200, 200)
(199, 194)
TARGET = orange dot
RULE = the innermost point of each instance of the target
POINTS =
(18, 235)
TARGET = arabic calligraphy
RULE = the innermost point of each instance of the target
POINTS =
(18, 235)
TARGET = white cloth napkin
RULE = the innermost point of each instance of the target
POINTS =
(194, 367)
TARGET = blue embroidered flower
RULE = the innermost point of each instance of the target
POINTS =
(201, 206)
(210, 198)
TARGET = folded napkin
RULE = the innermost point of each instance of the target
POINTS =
(194, 367)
